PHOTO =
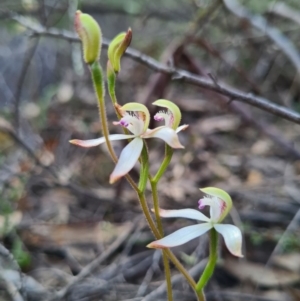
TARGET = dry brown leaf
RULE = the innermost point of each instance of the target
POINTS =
(225, 123)
(290, 261)
(254, 178)
(218, 170)
(260, 274)
(261, 147)
(72, 234)
(276, 295)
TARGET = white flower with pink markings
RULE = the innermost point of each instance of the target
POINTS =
(135, 118)
(220, 204)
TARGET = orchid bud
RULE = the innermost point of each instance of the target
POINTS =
(172, 116)
(90, 35)
(223, 197)
(117, 47)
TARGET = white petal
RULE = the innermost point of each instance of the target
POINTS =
(129, 156)
(165, 133)
(187, 213)
(181, 236)
(232, 237)
(98, 141)
(182, 128)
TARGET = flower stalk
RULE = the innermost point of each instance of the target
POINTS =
(211, 264)
(111, 84)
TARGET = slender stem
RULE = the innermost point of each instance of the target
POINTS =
(164, 164)
(160, 229)
(97, 77)
(154, 182)
(111, 83)
(171, 256)
(213, 257)
(98, 82)
(144, 169)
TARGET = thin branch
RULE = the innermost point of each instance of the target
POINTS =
(177, 74)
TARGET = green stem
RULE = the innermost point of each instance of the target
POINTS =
(161, 232)
(144, 169)
(99, 88)
(213, 257)
(111, 83)
(164, 164)
(97, 77)
(154, 182)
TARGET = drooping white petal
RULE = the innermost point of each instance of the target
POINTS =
(165, 133)
(128, 158)
(187, 213)
(182, 128)
(98, 141)
(180, 236)
(232, 237)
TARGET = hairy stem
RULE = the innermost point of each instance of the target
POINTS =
(111, 83)
(97, 77)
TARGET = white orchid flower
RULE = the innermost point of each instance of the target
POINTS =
(220, 204)
(136, 118)
(172, 116)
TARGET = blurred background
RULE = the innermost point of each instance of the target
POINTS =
(58, 214)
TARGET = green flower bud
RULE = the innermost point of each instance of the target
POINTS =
(117, 47)
(90, 35)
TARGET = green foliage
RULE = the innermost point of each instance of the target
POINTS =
(289, 242)
(21, 256)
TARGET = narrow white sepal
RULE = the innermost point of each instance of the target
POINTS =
(187, 213)
(166, 134)
(232, 237)
(98, 141)
(129, 156)
(181, 236)
(182, 128)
